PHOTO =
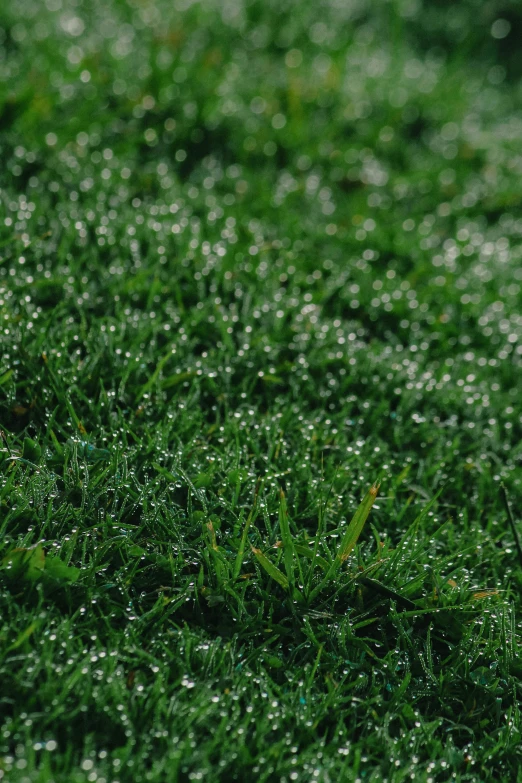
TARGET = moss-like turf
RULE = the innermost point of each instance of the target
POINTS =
(255, 258)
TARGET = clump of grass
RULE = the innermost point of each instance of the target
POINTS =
(280, 259)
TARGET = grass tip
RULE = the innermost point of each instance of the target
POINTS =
(374, 489)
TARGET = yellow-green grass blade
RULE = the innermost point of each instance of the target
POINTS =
(242, 544)
(286, 537)
(270, 568)
(351, 536)
(354, 529)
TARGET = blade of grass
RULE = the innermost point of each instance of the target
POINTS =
(289, 553)
(219, 561)
(305, 551)
(411, 532)
(242, 544)
(350, 537)
(5, 377)
(512, 522)
(378, 587)
(320, 527)
(270, 568)
(356, 525)
(154, 377)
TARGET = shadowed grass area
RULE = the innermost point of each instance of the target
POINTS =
(260, 361)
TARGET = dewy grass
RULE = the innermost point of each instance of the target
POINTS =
(253, 257)
(350, 537)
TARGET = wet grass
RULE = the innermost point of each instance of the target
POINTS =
(260, 364)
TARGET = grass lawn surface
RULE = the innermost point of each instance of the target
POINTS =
(260, 375)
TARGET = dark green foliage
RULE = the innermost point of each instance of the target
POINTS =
(257, 258)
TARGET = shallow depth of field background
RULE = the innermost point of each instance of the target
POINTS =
(254, 257)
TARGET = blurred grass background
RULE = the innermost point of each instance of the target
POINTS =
(255, 257)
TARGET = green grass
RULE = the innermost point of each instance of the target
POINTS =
(257, 258)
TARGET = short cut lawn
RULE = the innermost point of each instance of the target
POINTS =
(260, 375)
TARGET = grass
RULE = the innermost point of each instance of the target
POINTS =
(260, 365)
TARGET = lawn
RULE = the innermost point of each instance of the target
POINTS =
(260, 373)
